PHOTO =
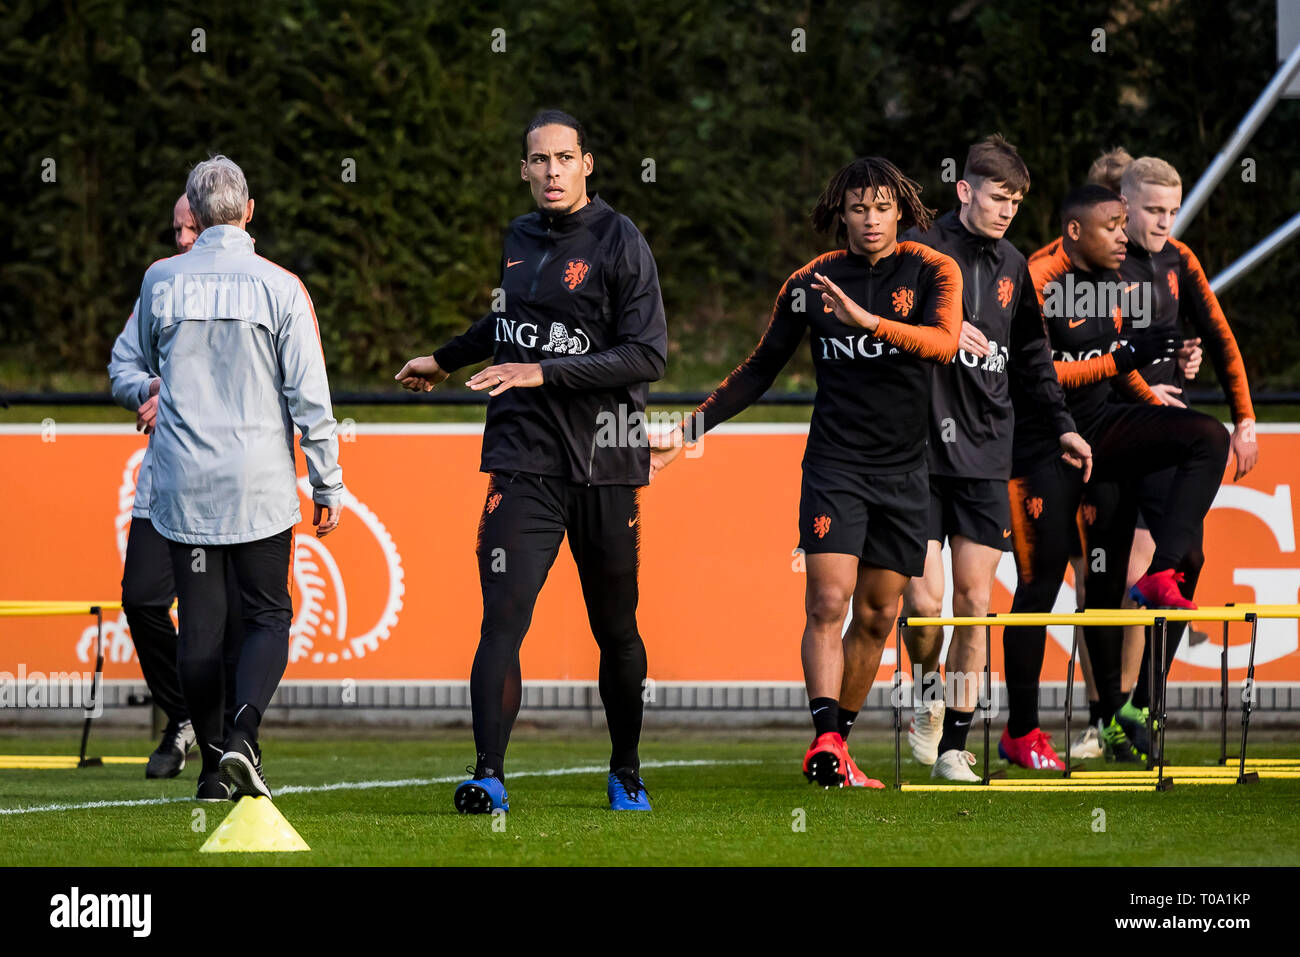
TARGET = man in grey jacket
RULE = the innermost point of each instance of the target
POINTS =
(147, 589)
(233, 340)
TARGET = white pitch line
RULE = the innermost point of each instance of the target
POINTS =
(363, 786)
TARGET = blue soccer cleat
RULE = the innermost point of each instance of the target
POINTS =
(627, 791)
(481, 796)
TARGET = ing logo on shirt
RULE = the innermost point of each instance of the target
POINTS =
(1171, 278)
(1034, 506)
(821, 525)
(493, 501)
(575, 273)
(1005, 290)
(903, 300)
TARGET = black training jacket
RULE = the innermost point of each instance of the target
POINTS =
(582, 299)
(971, 405)
(870, 414)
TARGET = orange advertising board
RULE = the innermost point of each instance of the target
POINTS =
(393, 594)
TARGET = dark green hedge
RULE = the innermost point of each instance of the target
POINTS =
(743, 132)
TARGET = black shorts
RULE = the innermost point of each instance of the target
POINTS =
(973, 508)
(880, 518)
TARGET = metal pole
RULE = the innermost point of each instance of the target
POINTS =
(1161, 783)
(1150, 632)
(1069, 694)
(988, 694)
(1245, 130)
(898, 706)
(1257, 253)
(1223, 699)
(95, 690)
(1247, 699)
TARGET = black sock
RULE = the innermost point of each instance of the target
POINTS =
(956, 725)
(846, 720)
(491, 765)
(825, 715)
(1094, 712)
(247, 720)
(1022, 704)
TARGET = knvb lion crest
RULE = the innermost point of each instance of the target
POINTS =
(1006, 289)
(821, 525)
(323, 631)
(903, 300)
(1171, 278)
(575, 273)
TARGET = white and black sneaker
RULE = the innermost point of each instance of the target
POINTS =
(168, 759)
(212, 787)
(241, 767)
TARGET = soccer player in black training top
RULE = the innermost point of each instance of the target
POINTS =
(580, 337)
(1003, 347)
(879, 312)
(1084, 302)
(1181, 297)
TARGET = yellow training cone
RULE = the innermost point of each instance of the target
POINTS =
(254, 825)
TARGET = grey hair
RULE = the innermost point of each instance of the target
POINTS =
(217, 191)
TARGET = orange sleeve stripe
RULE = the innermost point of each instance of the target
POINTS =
(1134, 384)
(1047, 268)
(1081, 372)
(936, 342)
(1234, 369)
(806, 271)
(1048, 251)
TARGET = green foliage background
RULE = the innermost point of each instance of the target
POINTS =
(743, 131)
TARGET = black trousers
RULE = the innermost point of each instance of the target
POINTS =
(1109, 514)
(1128, 441)
(148, 590)
(259, 573)
(525, 518)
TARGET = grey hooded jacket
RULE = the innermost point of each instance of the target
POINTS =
(130, 380)
(234, 339)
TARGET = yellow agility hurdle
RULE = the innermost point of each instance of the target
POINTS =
(41, 609)
(1155, 618)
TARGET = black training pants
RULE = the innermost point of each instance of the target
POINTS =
(260, 571)
(148, 591)
(525, 518)
(1128, 441)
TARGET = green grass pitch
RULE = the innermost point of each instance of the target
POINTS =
(723, 797)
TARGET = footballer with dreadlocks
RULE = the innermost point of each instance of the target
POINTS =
(879, 313)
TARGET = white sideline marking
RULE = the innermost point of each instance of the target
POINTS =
(364, 785)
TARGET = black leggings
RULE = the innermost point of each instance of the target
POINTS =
(525, 518)
(261, 575)
(1127, 441)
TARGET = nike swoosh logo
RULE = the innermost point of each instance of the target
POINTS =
(513, 262)
(961, 724)
(1076, 322)
(1006, 533)
(819, 710)
(631, 522)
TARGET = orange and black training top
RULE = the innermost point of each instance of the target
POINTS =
(871, 411)
(1083, 313)
(1181, 292)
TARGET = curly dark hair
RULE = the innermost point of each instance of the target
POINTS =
(877, 173)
